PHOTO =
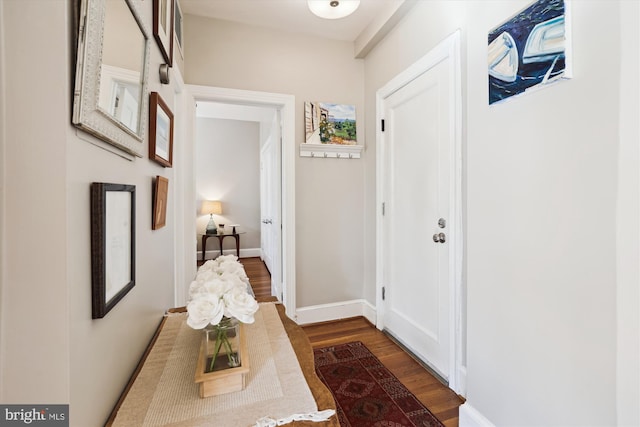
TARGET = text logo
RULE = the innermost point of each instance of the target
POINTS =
(34, 415)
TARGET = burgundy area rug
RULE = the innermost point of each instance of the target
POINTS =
(366, 393)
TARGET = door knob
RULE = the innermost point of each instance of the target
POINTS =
(266, 221)
(439, 238)
(442, 223)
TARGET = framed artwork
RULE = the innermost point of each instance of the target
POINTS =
(177, 27)
(160, 192)
(113, 242)
(330, 131)
(330, 123)
(163, 28)
(160, 131)
(530, 51)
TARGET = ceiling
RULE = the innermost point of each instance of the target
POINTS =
(289, 15)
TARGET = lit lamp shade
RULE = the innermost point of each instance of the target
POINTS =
(333, 9)
(212, 207)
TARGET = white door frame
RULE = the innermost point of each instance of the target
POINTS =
(449, 48)
(286, 105)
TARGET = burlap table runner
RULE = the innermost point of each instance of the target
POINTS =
(165, 394)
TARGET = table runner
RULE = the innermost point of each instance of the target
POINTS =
(164, 393)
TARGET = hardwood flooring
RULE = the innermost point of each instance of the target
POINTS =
(259, 276)
(440, 400)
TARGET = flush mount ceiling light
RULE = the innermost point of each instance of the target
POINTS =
(333, 9)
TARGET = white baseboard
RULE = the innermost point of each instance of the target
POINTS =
(244, 253)
(470, 417)
(335, 311)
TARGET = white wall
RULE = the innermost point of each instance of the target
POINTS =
(51, 351)
(35, 307)
(628, 230)
(541, 183)
(228, 169)
(329, 200)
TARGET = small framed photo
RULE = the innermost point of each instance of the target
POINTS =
(160, 192)
(160, 131)
(113, 243)
(163, 28)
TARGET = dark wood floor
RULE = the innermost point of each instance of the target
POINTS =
(432, 393)
(258, 276)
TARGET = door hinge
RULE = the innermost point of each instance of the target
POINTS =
(383, 293)
(382, 125)
(382, 208)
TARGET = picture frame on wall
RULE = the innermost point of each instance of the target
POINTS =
(330, 131)
(178, 28)
(113, 242)
(160, 131)
(163, 27)
(160, 194)
(530, 51)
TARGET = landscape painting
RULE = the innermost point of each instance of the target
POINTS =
(327, 123)
(530, 50)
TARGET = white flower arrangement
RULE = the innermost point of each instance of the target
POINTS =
(219, 292)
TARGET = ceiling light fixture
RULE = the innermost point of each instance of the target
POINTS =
(333, 9)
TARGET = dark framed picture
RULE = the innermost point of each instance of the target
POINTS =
(160, 131)
(163, 27)
(160, 192)
(113, 243)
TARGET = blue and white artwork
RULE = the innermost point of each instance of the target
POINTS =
(530, 50)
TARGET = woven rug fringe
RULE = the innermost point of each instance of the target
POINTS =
(317, 417)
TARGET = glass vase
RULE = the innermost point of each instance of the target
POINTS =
(222, 345)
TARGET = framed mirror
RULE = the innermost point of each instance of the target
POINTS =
(111, 97)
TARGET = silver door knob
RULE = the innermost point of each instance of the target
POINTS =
(442, 223)
(266, 221)
(439, 238)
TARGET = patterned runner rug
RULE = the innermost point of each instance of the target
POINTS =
(367, 393)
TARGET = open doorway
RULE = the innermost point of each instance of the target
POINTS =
(283, 106)
(237, 162)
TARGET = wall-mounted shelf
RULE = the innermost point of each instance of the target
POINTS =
(333, 151)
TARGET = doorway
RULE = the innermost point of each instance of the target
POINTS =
(419, 239)
(285, 106)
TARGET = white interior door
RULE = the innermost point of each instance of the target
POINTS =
(266, 204)
(270, 202)
(416, 191)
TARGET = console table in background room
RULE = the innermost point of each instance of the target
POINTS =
(221, 237)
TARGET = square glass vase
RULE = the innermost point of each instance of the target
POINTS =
(223, 361)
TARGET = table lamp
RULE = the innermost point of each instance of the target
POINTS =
(212, 207)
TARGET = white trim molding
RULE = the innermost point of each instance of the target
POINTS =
(336, 311)
(470, 417)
